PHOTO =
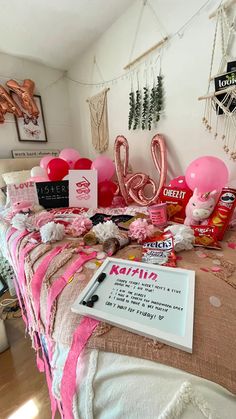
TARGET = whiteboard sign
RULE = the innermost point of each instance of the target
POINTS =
(151, 300)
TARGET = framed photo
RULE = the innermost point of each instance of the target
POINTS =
(30, 128)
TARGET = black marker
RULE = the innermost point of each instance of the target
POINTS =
(91, 298)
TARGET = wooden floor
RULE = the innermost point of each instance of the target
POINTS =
(20, 381)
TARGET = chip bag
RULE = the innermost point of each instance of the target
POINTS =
(206, 236)
(159, 250)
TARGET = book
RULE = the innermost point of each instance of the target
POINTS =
(150, 300)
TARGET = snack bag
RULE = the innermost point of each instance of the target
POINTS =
(159, 250)
(206, 236)
(223, 211)
(176, 200)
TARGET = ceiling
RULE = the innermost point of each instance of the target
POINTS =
(55, 32)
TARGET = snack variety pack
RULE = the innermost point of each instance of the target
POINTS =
(223, 211)
(176, 200)
(159, 250)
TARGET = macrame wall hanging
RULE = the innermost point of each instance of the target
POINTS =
(146, 103)
(220, 106)
(99, 120)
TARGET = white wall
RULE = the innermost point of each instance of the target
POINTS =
(55, 102)
(185, 67)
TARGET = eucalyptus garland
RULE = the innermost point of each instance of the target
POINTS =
(145, 110)
(151, 107)
(158, 98)
(131, 109)
(137, 114)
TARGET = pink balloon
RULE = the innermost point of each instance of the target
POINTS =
(44, 161)
(38, 179)
(207, 173)
(105, 168)
(70, 155)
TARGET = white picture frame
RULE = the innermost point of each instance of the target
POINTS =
(186, 278)
(29, 128)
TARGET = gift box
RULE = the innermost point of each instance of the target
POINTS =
(176, 200)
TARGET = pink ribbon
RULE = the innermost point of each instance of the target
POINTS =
(58, 286)
(14, 246)
(39, 275)
(68, 383)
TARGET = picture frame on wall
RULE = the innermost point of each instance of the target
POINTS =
(29, 128)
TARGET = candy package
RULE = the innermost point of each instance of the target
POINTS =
(206, 236)
(159, 250)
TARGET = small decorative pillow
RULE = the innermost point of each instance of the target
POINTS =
(16, 177)
(13, 178)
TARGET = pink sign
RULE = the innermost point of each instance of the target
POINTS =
(83, 188)
(25, 191)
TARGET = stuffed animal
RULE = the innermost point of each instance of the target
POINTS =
(199, 208)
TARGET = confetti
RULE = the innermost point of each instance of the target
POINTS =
(204, 269)
(131, 257)
(232, 245)
(215, 301)
(98, 263)
(90, 265)
(81, 277)
(216, 269)
(216, 262)
(101, 255)
(201, 254)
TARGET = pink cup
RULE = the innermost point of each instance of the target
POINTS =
(158, 214)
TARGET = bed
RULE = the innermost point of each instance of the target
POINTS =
(119, 374)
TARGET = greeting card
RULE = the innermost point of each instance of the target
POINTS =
(83, 188)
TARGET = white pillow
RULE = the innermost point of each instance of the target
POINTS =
(11, 178)
(16, 177)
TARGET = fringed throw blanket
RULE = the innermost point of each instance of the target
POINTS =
(99, 120)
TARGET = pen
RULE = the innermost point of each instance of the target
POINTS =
(91, 298)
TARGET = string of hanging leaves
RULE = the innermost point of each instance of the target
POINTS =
(145, 106)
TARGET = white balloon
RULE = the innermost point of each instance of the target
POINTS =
(38, 171)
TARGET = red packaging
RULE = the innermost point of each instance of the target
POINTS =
(176, 200)
(159, 250)
(223, 211)
(206, 236)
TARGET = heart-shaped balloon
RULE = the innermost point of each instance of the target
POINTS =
(132, 188)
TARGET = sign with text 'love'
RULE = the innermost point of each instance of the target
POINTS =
(150, 300)
(25, 191)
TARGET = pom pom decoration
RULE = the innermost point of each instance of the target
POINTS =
(52, 232)
(183, 237)
(107, 230)
(140, 229)
(80, 225)
(22, 222)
